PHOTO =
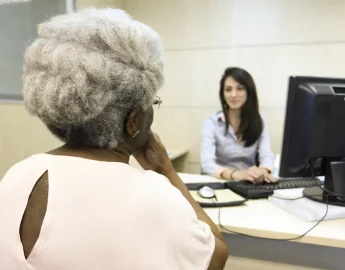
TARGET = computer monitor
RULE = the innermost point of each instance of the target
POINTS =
(314, 136)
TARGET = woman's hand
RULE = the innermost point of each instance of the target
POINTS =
(154, 156)
(254, 175)
(268, 177)
(242, 175)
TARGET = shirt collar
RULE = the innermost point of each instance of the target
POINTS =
(220, 116)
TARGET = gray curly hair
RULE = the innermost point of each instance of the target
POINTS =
(87, 70)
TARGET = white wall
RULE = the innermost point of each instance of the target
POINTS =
(100, 3)
(272, 39)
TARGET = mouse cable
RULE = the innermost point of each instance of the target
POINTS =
(331, 193)
(274, 239)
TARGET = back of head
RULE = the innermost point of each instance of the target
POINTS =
(87, 70)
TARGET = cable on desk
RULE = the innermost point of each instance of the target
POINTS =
(276, 239)
(332, 193)
(288, 199)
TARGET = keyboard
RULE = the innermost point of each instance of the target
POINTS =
(249, 190)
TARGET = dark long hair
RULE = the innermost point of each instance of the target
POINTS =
(251, 123)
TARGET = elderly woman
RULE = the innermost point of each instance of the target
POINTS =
(92, 77)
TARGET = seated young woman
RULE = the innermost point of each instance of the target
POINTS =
(235, 141)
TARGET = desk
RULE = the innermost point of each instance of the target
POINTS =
(264, 219)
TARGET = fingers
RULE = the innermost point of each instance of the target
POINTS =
(157, 138)
(242, 176)
(256, 173)
(153, 141)
(249, 178)
(269, 178)
(155, 148)
(136, 154)
(274, 179)
(154, 138)
(253, 174)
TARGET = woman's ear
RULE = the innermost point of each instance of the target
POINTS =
(132, 123)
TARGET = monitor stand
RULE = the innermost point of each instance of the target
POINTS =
(334, 182)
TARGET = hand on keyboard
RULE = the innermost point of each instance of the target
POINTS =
(254, 175)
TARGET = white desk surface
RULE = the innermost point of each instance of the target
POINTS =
(264, 219)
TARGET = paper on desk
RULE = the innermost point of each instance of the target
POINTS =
(197, 178)
(289, 193)
(304, 208)
(223, 195)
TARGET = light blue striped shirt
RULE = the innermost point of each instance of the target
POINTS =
(219, 152)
